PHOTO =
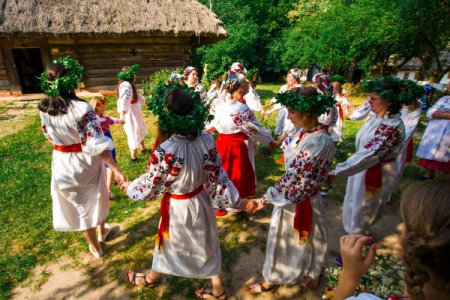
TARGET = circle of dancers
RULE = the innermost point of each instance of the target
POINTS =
(199, 179)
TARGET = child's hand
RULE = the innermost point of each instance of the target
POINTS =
(122, 121)
(355, 264)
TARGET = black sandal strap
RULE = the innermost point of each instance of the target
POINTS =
(264, 289)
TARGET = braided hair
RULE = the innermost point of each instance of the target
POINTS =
(425, 210)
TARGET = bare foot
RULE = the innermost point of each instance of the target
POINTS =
(207, 293)
(260, 287)
(310, 283)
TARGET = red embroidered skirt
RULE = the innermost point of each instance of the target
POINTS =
(434, 165)
(234, 154)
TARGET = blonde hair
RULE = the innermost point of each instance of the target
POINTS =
(425, 210)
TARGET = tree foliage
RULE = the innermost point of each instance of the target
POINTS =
(341, 35)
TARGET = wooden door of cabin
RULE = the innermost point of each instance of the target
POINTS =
(29, 66)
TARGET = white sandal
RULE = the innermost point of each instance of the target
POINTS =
(97, 254)
(103, 236)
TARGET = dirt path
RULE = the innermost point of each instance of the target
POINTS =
(62, 280)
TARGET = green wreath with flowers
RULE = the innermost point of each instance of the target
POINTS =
(65, 84)
(251, 72)
(318, 104)
(190, 124)
(339, 78)
(129, 74)
(409, 90)
(213, 75)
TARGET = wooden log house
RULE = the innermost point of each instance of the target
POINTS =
(103, 35)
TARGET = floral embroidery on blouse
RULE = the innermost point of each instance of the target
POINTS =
(219, 186)
(88, 127)
(303, 178)
(162, 171)
(45, 131)
(386, 139)
(247, 122)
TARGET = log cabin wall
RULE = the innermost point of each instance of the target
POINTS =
(102, 57)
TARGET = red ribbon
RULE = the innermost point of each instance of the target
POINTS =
(303, 218)
(68, 148)
(163, 229)
(373, 177)
(341, 112)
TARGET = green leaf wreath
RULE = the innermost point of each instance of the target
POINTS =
(191, 124)
(129, 74)
(65, 84)
(410, 91)
(317, 104)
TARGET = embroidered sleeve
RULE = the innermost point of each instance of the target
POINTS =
(92, 139)
(303, 177)
(125, 96)
(442, 104)
(384, 144)
(163, 168)
(45, 132)
(249, 124)
(361, 112)
(221, 190)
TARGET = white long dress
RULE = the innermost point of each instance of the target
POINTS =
(134, 123)
(378, 142)
(337, 130)
(180, 166)
(308, 158)
(435, 143)
(78, 185)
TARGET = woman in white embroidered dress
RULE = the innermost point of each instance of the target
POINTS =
(78, 184)
(252, 99)
(186, 169)
(297, 240)
(129, 104)
(434, 148)
(191, 79)
(342, 105)
(410, 115)
(238, 130)
(372, 170)
(284, 126)
(214, 90)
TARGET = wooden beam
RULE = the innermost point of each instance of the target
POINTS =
(10, 69)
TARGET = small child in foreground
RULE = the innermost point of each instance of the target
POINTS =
(99, 105)
(425, 240)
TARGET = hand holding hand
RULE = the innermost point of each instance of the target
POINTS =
(119, 177)
(355, 263)
(124, 185)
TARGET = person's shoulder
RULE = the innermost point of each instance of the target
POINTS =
(124, 84)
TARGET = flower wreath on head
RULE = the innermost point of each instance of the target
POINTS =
(189, 70)
(129, 74)
(100, 102)
(190, 124)
(296, 73)
(65, 84)
(339, 78)
(233, 81)
(409, 90)
(318, 104)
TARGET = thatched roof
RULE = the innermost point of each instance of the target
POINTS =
(147, 17)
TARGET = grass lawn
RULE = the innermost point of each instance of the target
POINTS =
(28, 238)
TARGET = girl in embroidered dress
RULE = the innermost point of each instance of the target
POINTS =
(425, 242)
(297, 241)
(129, 104)
(372, 169)
(186, 169)
(434, 148)
(342, 105)
(78, 184)
(99, 105)
(238, 130)
(191, 79)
